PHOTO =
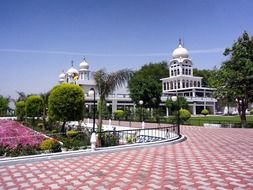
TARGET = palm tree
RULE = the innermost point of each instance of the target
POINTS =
(107, 83)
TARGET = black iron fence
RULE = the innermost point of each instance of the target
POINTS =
(130, 136)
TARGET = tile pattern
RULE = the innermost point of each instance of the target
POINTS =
(209, 159)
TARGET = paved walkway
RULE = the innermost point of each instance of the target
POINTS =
(209, 159)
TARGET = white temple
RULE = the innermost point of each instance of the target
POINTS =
(181, 82)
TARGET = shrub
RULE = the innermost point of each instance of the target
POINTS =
(204, 112)
(71, 133)
(40, 125)
(109, 139)
(50, 145)
(119, 114)
(184, 115)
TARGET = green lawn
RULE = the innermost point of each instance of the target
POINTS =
(200, 120)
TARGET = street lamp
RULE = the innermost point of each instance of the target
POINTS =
(93, 135)
(141, 104)
(176, 99)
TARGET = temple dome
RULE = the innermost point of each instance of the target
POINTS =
(180, 52)
(84, 65)
(72, 71)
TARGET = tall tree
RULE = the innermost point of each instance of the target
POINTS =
(4, 105)
(235, 77)
(206, 74)
(107, 83)
(146, 85)
(34, 107)
(66, 103)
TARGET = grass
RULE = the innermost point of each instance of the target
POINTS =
(200, 120)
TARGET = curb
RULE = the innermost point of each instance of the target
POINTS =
(70, 154)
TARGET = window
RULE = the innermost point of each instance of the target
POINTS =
(178, 71)
(164, 86)
(190, 83)
(168, 85)
(198, 84)
(195, 84)
(171, 72)
(186, 71)
(187, 84)
(189, 71)
(175, 84)
(183, 71)
(178, 84)
(171, 85)
(183, 84)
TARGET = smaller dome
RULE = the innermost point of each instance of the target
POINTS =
(180, 52)
(72, 70)
(84, 65)
(62, 75)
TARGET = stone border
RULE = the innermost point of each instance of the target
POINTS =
(87, 152)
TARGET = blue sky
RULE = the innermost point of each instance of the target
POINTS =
(39, 38)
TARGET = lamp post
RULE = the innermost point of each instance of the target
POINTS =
(176, 99)
(93, 135)
(142, 122)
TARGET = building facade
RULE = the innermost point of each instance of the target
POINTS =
(180, 82)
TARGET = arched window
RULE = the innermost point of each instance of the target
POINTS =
(183, 84)
(171, 85)
(175, 84)
(198, 84)
(195, 84)
(187, 84)
(186, 71)
(178, 84)
(164, 86)
(171, 72)
(190, 83)
(178, 71)
(168, 85)
(190, 71)
(175, 72)
(183, 71)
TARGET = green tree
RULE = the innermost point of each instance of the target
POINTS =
(146, 85)
(174, 106)
(207, 76)
(44, 97)
(34, 107)
(66, 103)
(234, 78)
(4, 105)
(184, 115)
(20, 110)
(107, 83)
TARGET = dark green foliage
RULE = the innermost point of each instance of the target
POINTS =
(234, 79)
(34, 106)
(20, 110)
(146, 85)
(109, 139)
(4, 105)
(207, 76)
(174, 106)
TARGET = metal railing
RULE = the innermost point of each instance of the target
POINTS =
(130, 136)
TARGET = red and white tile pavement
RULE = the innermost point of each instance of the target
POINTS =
(210, 158)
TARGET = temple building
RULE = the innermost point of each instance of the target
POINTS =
(181, 82)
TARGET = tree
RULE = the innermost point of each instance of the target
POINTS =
(34, 107)
(44, 97)
(235, 77)
(146, 85)
(175, 106)
(20, 110)
(107, 83)
(66, 103)
(207, 76)
(4, 105)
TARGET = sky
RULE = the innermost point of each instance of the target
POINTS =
(39, 38)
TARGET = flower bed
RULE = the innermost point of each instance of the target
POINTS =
(16, 139)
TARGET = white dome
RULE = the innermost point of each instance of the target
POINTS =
(180, 52)
(62, 75)
(84, 65)
(72, 71)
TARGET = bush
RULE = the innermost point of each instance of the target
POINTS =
(109, 139)
(184, 115)
(71, 133)
(251, 111)
(204, 112)
(50, 145)
(119, 114)
(40, 125)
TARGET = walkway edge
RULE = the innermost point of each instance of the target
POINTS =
(87, 152)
